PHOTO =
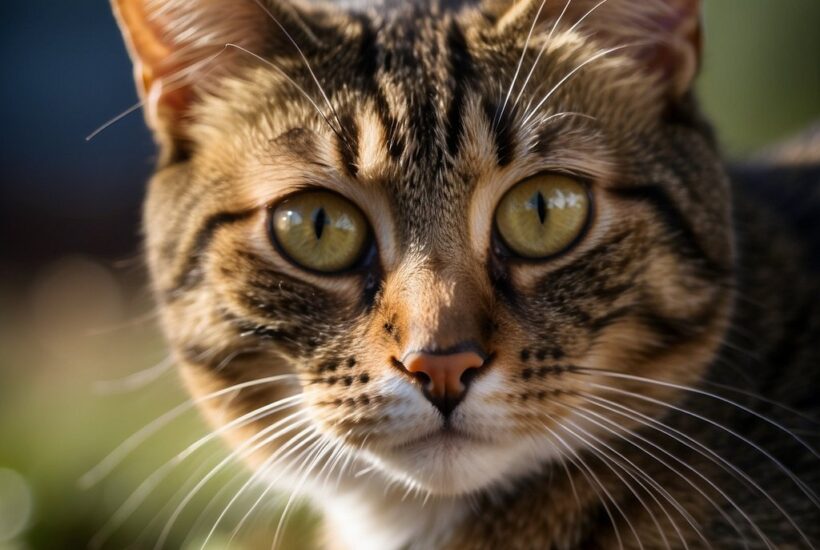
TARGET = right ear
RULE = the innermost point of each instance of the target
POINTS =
(180, 48)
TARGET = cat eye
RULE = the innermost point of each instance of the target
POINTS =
(543, 215)
(319, 231)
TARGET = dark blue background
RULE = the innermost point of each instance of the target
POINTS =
(65, 71)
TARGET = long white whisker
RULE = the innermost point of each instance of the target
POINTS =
(711, 395)
(673, 501)
(587, 14)
(634, 435)
(134, 381)
(113, 459)
(173, 86)
(706, 452)
(541, 51)
(145, 488)
(340, 132)
(292, 82)
(593, 480)
(207, 509)
(261, 471)
(572, 73)
(314, 437)
(328, 445)
(797, 481)
(520, 62)
(246, 448)
(610, 463)
(113, 120)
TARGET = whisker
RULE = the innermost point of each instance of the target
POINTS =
(572, 73)
(330, 125)
(610, 462)
(520, 62)
(634, 435)
(797, 481)
(587, 14)
(263, 470)
(113, 459)
(705, 451)
(762, 399)
(331, 463)
(152, 526)
(180, 83)
(113, 120)
(674, 502)
(311, 441)
(135, 381)
(590, 477)
(330, 106)
(207, 510)
(563, 458)
(322, 451)
(145, 488)
(704, 393)
(541, 51)
(246, 448)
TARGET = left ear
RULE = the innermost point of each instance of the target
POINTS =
(663, 35)
(180, 49)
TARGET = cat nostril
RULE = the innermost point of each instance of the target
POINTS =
(422, 377)
(444, 377)
(469, 375)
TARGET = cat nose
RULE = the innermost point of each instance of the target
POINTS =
(445, 377)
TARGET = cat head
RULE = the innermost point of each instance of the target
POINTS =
(443, 241)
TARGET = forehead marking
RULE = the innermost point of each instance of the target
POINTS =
(373, 150)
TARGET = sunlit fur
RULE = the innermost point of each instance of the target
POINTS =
(424, 115)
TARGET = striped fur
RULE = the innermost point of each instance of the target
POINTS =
(424, 114)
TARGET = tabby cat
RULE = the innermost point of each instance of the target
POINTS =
(474, 275)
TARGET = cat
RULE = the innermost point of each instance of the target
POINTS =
(475, 275)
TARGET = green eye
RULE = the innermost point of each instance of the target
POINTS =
(543, 215)
(319, 231)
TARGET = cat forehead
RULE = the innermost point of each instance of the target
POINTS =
(417, 105)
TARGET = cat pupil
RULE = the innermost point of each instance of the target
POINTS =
(541, 207)
(319, 221)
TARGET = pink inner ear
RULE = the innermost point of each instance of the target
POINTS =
(152, 63)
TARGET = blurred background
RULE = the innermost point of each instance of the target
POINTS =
(82, 365)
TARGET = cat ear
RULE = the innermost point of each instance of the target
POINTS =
(180, 47)
(663, 35)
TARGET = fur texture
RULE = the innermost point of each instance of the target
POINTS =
(610, 414)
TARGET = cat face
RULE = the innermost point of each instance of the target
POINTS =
(441, 237)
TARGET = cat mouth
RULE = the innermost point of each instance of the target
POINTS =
(445, 436)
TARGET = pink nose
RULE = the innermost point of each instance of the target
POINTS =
(445, 377)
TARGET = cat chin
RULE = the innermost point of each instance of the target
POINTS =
(447, 465)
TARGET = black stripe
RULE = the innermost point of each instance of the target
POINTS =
(675, 222)
(191, 275)
(367, 59)
(599, 324)
(463, 73)
(370, 58)
(502, 128)
(348, 143)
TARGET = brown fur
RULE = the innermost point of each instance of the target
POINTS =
(420, 132)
